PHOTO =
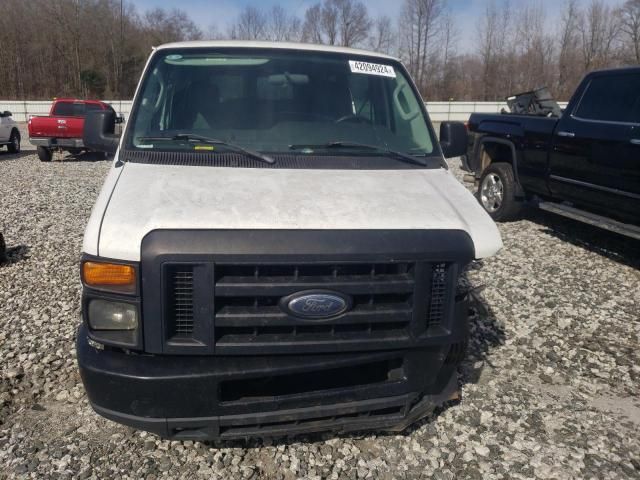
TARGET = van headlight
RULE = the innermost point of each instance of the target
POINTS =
(110, 315)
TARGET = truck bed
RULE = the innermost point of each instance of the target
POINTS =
(511, 124)
(531, 133)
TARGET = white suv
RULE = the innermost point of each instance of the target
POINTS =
(9, 133)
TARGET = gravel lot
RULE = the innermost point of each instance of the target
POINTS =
(551, 385)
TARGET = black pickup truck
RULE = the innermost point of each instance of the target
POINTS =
(583, 163)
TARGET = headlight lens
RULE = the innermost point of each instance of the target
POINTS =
(108, 315)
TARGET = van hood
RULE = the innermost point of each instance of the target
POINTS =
(150, 197)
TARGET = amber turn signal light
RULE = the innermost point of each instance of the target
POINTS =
(109, 276)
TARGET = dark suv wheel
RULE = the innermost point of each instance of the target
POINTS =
(496, 192)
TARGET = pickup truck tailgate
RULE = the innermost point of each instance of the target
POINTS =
(58, 127)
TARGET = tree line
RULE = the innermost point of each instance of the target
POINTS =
(97, 48)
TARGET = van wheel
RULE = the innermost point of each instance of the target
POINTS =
(497, 192)
(44, 154)
(14, 142)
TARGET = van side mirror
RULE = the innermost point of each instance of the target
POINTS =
(6, 113)
(99, 127)
(453, 139)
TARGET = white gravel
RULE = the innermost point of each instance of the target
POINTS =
(551, 385)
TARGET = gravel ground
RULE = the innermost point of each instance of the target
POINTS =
(550, 387)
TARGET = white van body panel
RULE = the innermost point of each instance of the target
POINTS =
(151, 197)
(92, 231)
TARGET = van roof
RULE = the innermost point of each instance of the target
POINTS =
(311, 47)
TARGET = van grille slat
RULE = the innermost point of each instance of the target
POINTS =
(438, 296)
(180, 278)
(248, 316)
(352, 285)
(361, 418)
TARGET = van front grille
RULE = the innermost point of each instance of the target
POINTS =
(248, 296)
(236, 308)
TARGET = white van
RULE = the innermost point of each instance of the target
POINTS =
(276, 248)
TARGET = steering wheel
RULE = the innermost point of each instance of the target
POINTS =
(353, 118)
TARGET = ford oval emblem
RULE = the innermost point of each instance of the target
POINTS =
(316, 304)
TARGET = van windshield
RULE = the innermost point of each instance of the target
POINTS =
(278, 101)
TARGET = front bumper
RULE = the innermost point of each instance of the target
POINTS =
(210, 397)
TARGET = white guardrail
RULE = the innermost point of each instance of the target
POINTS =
(438, 111)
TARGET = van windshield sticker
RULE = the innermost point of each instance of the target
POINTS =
(372, 69)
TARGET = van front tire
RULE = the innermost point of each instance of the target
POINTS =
(496, 193)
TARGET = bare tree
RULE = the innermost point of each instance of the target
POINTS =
(382, 37)
(67, 15)
(251, 24)
(598, 28)
(336, 22)
(312, 26)
(97, 52)
(281, 26)
(213, 33)
(534, 47)
(449, 46)
(162, 26)
(329, 22)
(568, 48)
(420, 27)
(489, 48)
(353, 21)
(630, 27)
(100, 53)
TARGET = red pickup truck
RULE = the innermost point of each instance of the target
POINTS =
(62, 128)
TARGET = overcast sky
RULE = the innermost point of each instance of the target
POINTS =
(222, 12)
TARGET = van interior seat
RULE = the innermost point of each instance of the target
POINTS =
(197, 106)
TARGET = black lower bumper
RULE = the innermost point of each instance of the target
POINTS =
(209, 397)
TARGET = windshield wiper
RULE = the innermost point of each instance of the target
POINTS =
(188, 137)
(392, 153)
